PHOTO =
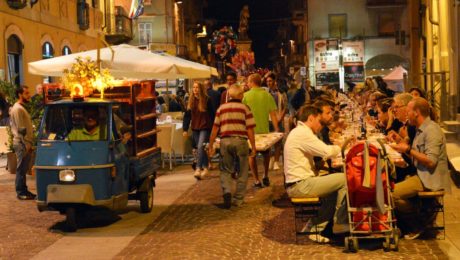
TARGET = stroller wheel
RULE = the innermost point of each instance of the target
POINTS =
(351, 244)
(395, 241)
(387, 244)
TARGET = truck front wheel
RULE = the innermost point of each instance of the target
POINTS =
(71, 219)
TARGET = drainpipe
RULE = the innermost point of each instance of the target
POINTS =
(430, 9)
(105, 15)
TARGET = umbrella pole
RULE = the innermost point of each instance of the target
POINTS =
(98, 60)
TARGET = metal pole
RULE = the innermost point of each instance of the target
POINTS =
(445, 109)
(98, 46)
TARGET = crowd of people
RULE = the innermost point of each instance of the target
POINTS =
(313, 122)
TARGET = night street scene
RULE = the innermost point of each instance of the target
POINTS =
(244, 129)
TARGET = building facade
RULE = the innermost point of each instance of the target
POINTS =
(438, 57)
(47, 29)
(372, 22)
(170, 26)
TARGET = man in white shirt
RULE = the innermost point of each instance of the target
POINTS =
(301, 146)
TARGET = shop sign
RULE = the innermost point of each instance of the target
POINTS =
(353, 60)
(326, 59)
(354, 71)
(327, 78)
(353, 51)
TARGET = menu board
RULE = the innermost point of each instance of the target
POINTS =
(326, 57)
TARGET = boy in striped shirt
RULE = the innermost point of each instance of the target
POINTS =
(235, 122)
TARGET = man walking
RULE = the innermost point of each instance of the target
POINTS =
(21, 127)
(262, 106)
(235, 123)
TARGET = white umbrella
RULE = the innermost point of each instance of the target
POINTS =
(127, 62)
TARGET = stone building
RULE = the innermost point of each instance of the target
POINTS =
(43, 30)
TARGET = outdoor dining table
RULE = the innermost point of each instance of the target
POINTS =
(263, 141)
(372, 137)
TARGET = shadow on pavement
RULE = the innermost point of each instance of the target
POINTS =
(188, 217)
(89, 218)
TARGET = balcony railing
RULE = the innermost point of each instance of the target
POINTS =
(386, 3)
(119, 27)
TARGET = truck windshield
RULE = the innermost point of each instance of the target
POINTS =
(79, 122)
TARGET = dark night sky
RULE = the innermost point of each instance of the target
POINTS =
(264, 21)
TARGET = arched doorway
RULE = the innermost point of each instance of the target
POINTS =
(381, 65)
(14, 50)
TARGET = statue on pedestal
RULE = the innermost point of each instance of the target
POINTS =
(244, 23)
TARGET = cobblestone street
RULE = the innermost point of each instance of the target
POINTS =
(25, 231)
(193, 227)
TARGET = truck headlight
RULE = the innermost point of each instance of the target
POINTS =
(67, 176)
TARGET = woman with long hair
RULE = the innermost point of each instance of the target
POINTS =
(198, 117)
(386, 120)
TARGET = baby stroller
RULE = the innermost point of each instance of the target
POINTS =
(370, 207)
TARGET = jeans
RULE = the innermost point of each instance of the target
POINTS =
(23, 162)
(234, 149)
(199, 138)
(332, 190)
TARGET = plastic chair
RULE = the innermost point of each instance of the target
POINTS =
(165, 140)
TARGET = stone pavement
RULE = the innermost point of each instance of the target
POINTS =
(24, 231)
(194, 227)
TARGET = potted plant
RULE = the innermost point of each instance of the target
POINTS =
(8, 90)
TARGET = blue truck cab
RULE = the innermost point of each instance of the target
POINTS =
(98, 152)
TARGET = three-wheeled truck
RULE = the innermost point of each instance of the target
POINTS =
(76, 169)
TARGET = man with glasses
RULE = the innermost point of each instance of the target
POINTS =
(407, 131)
(405, 134)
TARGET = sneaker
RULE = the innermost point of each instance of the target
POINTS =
(413, 235)
(197, 174)
(276, 166)
(204, 173)
(227, 200)
(319, 238)
(26, 196)
(266, 181)
(258, 185)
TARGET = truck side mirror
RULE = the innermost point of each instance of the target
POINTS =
(22, 131)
